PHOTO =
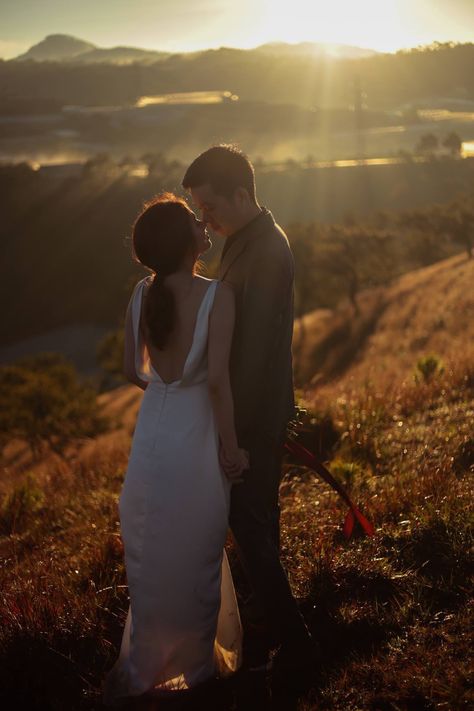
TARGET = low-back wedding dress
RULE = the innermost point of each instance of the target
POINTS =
(183, 625)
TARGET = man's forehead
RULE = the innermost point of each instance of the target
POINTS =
(203, 194)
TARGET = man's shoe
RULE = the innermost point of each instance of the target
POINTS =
(255, 655)
(295, 666)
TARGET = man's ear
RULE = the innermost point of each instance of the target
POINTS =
(241, 197)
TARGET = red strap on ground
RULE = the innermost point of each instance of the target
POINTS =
(309, 460)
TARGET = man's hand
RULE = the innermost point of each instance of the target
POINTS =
(234, 463)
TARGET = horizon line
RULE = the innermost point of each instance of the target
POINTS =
(321, 43)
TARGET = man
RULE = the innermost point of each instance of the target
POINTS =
(257, 262)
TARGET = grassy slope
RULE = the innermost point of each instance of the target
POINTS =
(392, 612)
(430, 310)
(407, 452)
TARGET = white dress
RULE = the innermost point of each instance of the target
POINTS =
(183, 625)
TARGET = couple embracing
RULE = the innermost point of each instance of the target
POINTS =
(214, 360)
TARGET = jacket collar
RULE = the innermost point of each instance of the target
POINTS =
(237, 243)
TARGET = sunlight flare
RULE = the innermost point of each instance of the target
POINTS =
(367, 23)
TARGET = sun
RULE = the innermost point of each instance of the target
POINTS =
(379, 24)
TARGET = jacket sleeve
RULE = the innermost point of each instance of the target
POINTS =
(266, 308)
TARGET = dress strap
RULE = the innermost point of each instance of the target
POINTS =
(210, 295)
(196, 362)
(143, 366)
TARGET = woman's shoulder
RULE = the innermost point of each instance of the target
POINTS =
(144, 281)
(215, 284)
(204, 279)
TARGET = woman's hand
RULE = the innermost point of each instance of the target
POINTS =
(233, 463)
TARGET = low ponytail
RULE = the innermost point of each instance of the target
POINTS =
(162, 237)
(159, 311)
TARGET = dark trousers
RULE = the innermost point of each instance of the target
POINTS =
(255, 525)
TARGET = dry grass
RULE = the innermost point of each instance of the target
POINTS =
(392, 613)
(430, 310)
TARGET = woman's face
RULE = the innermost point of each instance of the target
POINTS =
(201, 238)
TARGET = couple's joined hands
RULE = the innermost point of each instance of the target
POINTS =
(233, 462)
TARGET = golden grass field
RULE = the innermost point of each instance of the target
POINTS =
(429, 310)
(393, 613)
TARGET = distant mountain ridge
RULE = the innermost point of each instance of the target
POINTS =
(57, 47)
(66, 48)
(317, 49)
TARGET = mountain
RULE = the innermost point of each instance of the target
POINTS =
(316, 49)
(65, 48)
(57, 48)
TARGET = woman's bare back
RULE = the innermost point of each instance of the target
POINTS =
(169, 362)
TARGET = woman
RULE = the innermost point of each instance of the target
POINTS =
(183, 625)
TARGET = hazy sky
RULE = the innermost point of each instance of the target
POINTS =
(181, 25)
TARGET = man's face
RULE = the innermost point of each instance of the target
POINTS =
(221, 214)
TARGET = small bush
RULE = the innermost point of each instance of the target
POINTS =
(346, 471)
(463, 461)
(42, 401)
(427, 367)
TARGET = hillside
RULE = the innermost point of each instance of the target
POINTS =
(427, 311)
(390, 611)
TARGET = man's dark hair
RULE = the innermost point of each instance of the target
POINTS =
(225, 168)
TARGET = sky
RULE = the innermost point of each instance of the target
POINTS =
(188, 25)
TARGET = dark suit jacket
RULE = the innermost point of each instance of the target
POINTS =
(258, 263)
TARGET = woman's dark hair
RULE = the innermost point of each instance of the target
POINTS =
(225, 168)
(162, 236)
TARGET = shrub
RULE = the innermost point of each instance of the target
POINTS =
(346, 471)
(428, 366)
(42, 401)
(463, 461)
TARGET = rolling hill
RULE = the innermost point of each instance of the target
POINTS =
(427, 311)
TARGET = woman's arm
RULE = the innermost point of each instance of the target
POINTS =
(221, 328)
(129, 351)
